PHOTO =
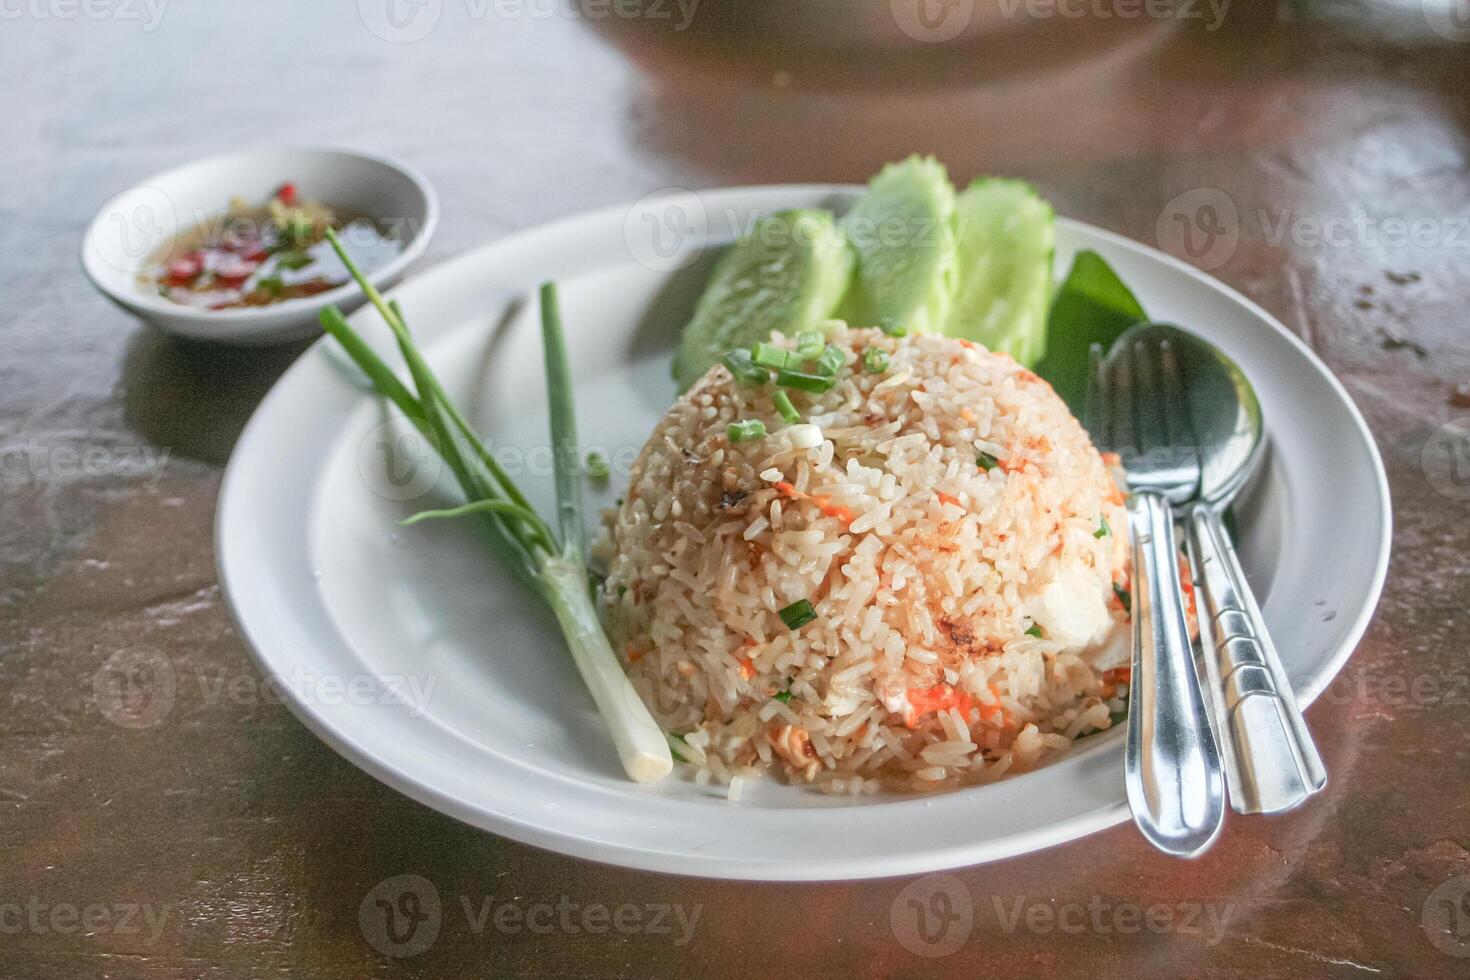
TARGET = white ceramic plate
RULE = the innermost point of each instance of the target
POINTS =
(349, 612)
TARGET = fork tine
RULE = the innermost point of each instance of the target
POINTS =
(1120, 385)
(1152, 429)
(1176, 410)
(1095, 407)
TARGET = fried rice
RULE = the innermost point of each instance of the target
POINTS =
(961, 544)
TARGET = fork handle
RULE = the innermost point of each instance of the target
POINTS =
(1175, 786)
(1271, 762)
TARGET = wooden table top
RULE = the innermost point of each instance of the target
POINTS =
(225, 840)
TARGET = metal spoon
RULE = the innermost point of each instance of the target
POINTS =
(1271, 763)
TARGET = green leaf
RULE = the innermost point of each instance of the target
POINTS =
(1093, 306)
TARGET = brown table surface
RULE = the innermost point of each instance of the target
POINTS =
(227, 841)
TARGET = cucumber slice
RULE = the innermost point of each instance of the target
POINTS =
(788, 274)
(902, 233)
(1006, 233)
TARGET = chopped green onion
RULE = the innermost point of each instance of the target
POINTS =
(798, 614)
(802, 381)
(783, 696)
(771, 356)
(675, 738)
(597, 467)
(784, 407)
(891, 327)
(986, 461)
(739, 363)
(293, 259)
(875, 360)
(1034, 630)
(830, 362)
(1103, 531)
(1124, 597)
(745, 430)
(808, 345)
(296, 229)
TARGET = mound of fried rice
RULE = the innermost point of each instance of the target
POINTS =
(961, 543)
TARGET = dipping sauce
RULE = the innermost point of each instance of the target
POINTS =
(258, 256)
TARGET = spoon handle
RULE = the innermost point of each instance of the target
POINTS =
(1271, 762)
(1172, 765)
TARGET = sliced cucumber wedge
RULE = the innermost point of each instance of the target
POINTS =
(788, 274)
(902, 232)
(1006, 234)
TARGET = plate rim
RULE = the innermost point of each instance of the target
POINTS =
(675, 861)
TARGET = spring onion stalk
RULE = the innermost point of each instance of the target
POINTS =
(551, 565)
(745, 430)
(784, 408)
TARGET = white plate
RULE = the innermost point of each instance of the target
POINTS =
(343, 607)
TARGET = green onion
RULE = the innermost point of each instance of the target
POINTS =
(808, 345)
(596, 465)
(830, 362)
(1123, 597)
(783, 696)
(798, 614)
(1103, 531)
(891, 327)
(1034, 630)
(520, 539)
(784, 407)
(293, 259)
(771, 356)
(802, 381)
(739, 364)
(745, 430)
(296, 229)
(986, 461)
(875, 360)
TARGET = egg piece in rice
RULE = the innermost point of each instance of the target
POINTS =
(917, 585)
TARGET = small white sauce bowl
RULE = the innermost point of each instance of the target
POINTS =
(128, 234)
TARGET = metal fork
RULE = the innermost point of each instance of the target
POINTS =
(1176, 787)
